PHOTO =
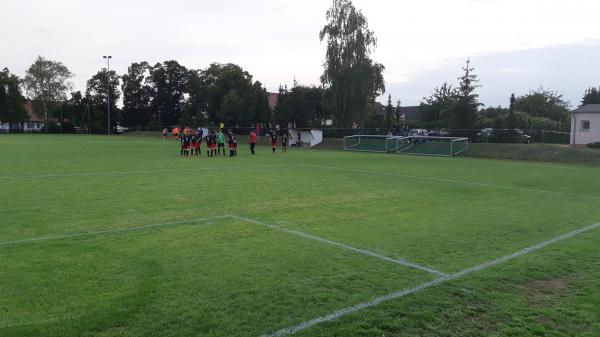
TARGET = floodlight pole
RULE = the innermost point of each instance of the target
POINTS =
(108, 57)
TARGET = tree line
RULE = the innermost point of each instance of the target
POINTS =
(168, 93)
(458, 107)
(164, 94)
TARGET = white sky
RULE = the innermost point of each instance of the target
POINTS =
(277, 40)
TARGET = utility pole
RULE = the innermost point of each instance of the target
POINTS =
(108, 83)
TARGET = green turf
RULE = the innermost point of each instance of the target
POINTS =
(230, 277)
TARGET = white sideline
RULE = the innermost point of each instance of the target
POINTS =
(453, 181)
(405, 292)
(247, 220)
(110, 231)
(108, 173)
(342, 245)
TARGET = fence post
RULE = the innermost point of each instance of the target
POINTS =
(542, 136)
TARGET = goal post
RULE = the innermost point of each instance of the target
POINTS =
(415, 145)
(371, 143)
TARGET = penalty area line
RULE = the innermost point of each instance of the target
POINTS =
(403, 293)
(401, 262)
(111, 231)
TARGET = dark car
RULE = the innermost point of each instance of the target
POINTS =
(439, 133)
(489, 135)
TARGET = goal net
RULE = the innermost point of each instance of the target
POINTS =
(432, 146)
(371, 143)
(418, 145)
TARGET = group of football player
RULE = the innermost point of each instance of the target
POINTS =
(191, 142)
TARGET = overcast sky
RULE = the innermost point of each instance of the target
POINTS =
(515, 45)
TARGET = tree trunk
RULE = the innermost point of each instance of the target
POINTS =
(45, 114)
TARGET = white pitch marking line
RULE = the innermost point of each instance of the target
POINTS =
(403, 293)
(85, 174)
(454, 181)
(342, 245)
(110, 231)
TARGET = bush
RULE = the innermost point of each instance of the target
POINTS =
(51, 127)
(594, 145)
(68, 127)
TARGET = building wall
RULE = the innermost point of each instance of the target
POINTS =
(580, 137)
(29, 126)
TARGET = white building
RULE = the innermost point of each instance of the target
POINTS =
(585, 125)
(33, 122)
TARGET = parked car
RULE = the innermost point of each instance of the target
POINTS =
(490, 135)
(418, 132)
(439, 133)
(121, 129)
(522, 136)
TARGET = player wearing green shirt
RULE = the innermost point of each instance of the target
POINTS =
(220, 141)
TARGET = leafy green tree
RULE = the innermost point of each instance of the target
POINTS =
(545, 104)
(389, 111)
(47, 81)
(230, 108)
(11, 98)
(97, 95)
(256, 106)
(283, 110)
(436, 109)
(73, 111)
(464, 111)
(351, 77)
(219, 80)
(310, 110)
(511, 112)
(494, 117)
(398, 113)
(302, 105)
(136, 95)
(591, 96)
(169, 86)
(197, 103)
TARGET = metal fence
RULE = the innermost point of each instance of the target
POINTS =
(474, 135)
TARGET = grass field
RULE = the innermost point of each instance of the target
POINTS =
(121, 237)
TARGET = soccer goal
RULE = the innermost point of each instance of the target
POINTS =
(371, 143)
(432, 146)
(417, 145)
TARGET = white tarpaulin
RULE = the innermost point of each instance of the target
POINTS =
(308, 138)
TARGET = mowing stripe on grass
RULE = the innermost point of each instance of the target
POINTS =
(109, 173)
(110, 231)
(342, 245)
(453, 181)
(405, 292)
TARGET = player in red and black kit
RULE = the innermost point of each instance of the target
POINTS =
(195, 144)
(232, 142)
(213, 143)
(273, 140)
(181, 141)
(208, 144)
(252, 138)
(284, 142)
(199, 136)
(185, 145)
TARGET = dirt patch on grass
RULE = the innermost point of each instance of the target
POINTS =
(543, 292)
